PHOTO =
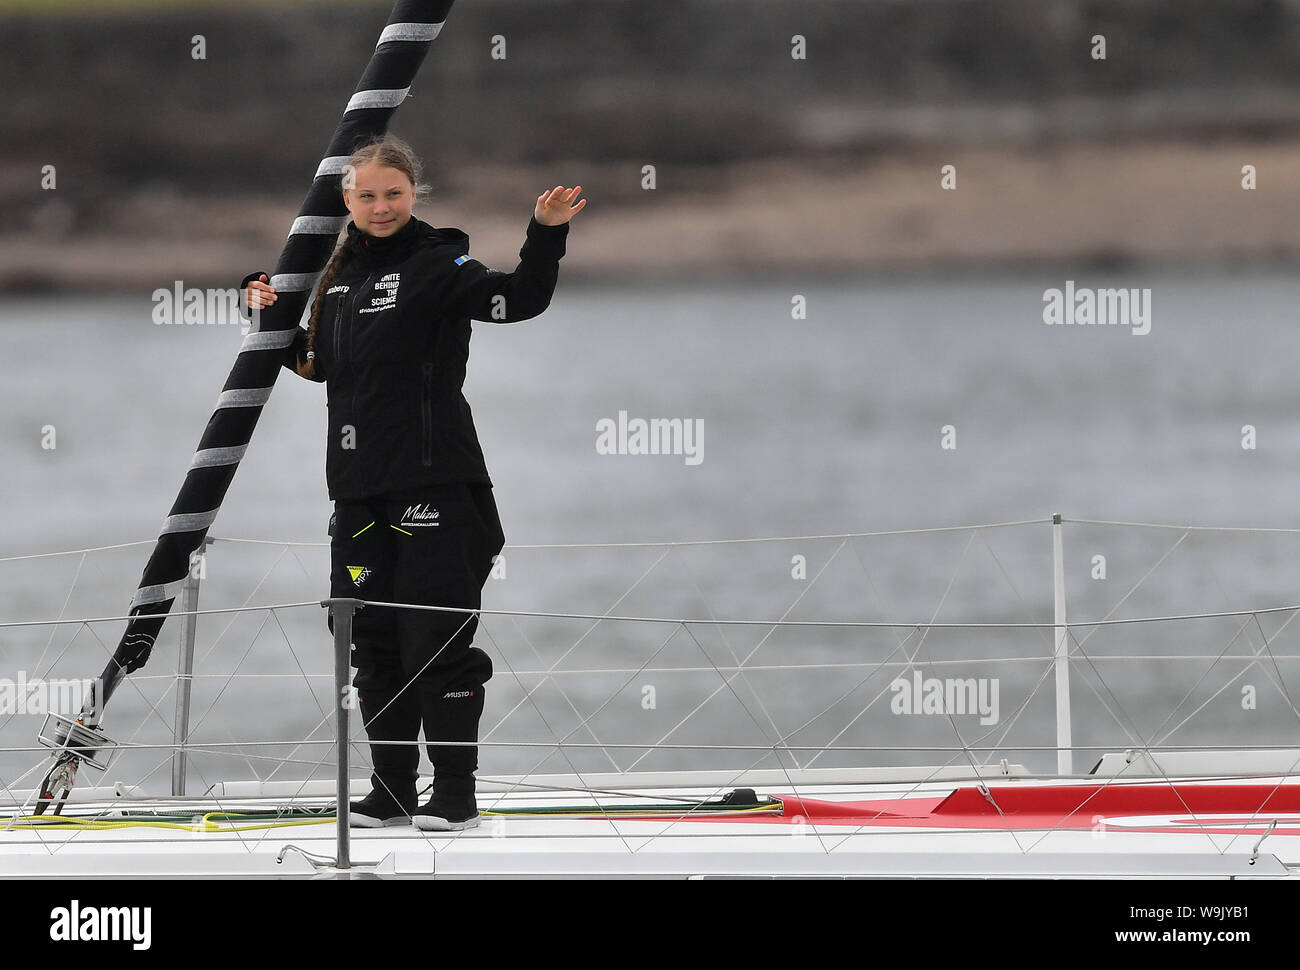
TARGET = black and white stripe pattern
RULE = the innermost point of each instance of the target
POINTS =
(398, 55)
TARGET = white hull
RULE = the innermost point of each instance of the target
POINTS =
(912, 842)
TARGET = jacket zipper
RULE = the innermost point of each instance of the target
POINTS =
(338, 315)
(426, 410)
(349, 299)
(352, 297)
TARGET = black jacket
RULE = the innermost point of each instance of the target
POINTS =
(392, 342)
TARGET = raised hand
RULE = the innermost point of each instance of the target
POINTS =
(555, 208)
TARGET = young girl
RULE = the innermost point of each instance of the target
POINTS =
(414, 520)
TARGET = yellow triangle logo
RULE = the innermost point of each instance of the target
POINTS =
(356, 571)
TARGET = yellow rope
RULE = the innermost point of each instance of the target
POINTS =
(219, 821)
(205, 823)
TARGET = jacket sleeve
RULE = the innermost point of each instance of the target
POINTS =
(496, 297)
(297, 350)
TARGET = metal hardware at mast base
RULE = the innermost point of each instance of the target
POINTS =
(90, 744)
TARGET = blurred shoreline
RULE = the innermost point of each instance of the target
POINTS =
(1107, 206)
(175, 168)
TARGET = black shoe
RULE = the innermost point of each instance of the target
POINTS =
(389, 715)
(451, 712)
(380, 809)
(444, 814)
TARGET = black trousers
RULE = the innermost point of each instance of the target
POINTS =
(433, 546)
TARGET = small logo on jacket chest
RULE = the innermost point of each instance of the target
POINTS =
(420, 515)
(385, 297)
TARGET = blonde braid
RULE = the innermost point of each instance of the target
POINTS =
(307, 368)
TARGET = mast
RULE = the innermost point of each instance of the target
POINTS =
(411, 27)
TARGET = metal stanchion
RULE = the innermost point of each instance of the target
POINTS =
(185, 665)
(341, 611)
(1061, 655)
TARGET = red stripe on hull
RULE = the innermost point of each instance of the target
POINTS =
(1050, 806)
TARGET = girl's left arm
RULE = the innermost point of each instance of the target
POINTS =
(495, 297)
(490, 295)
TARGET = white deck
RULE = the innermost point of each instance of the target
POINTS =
(1140, 845)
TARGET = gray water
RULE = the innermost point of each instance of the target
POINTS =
(812, 427)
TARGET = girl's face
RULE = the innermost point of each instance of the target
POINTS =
(381, 201)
